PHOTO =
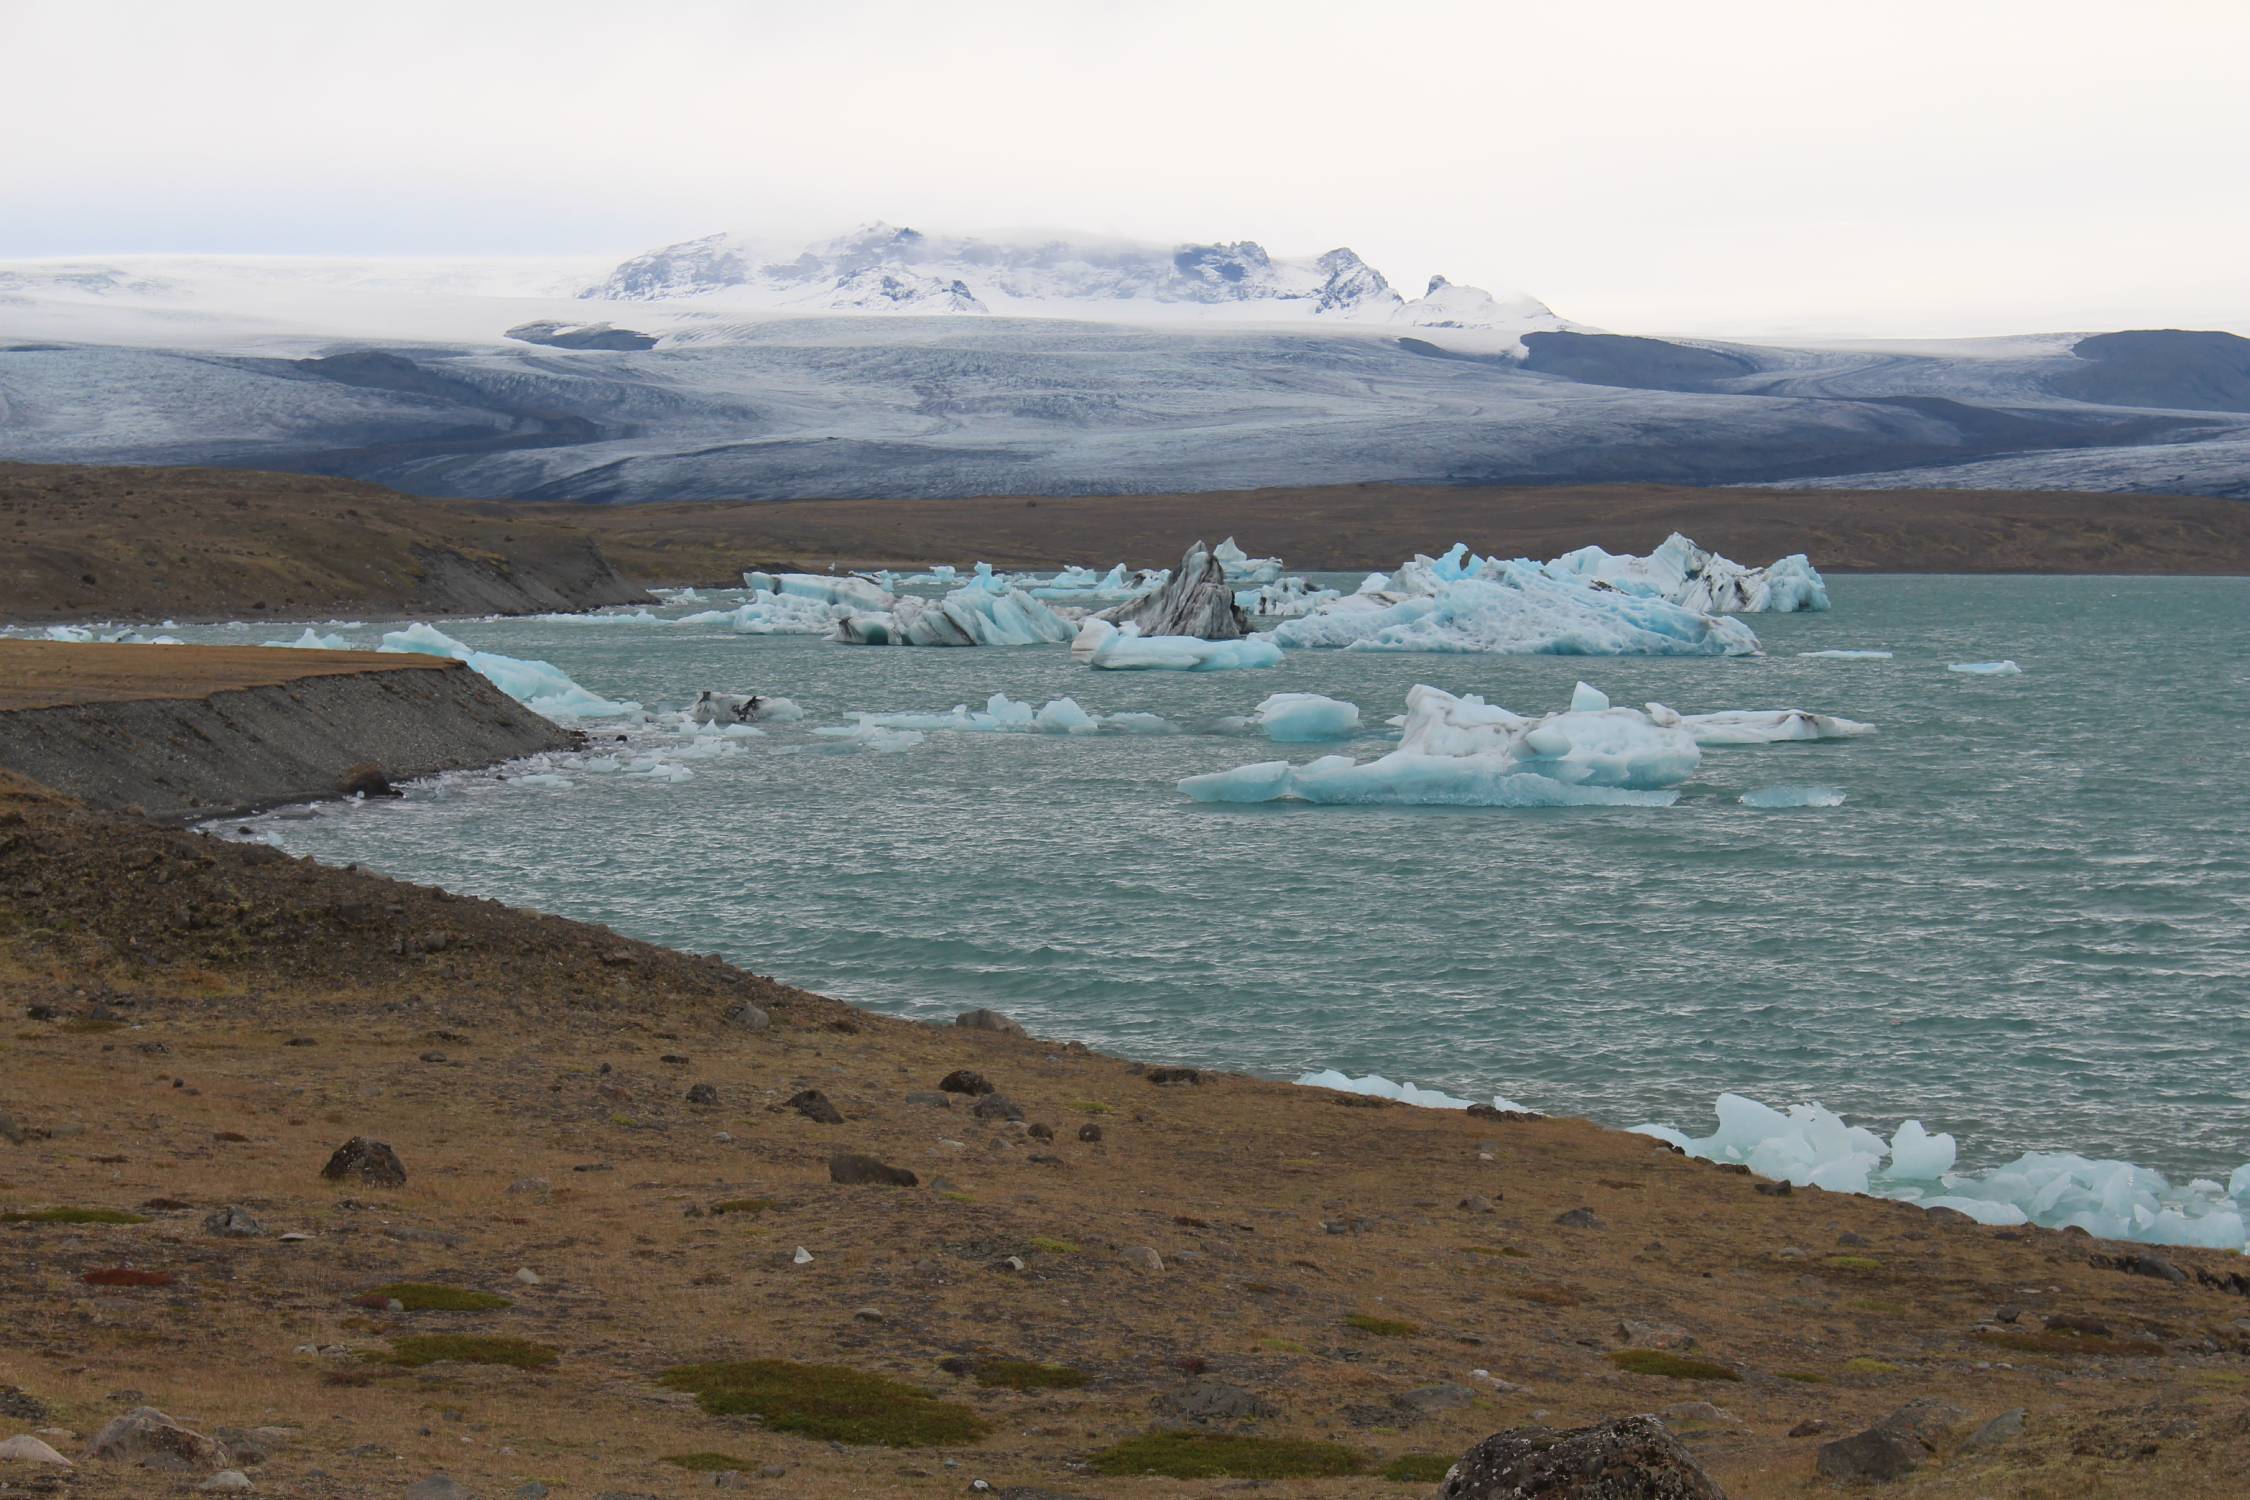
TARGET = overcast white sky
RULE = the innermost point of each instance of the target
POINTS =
(1712, 166)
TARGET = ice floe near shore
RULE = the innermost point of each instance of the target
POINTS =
(1375, 1086)
(1987, 668)
(1004, 715)
(1809, 1146)
(540, 686)
(1462, 751)
(1124, 649)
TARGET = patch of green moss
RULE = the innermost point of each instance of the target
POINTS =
(743, 1206)
(1858, 1263)
(957, 1197)
(708, 1463)
(1417, 1468)
(1210, 1455)
(1865, 1366)
(1094, 1107)
(1052, 1246)
(1803, 1377)
(1026, 1375)
(1283, 1346)
(422, 1349)
(827, 1401)
(1389, 1328)
(425, 1296)
(1670, 1366)
(74, 1216)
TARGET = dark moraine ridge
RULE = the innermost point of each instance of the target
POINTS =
(185, 732)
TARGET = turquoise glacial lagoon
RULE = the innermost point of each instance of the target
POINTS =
(2027, 923)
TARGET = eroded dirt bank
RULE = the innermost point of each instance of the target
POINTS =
(198, 731)
(614, 1173)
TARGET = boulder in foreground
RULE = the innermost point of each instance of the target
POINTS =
(147, 1437)
(362, 1160)
(1631, 1458)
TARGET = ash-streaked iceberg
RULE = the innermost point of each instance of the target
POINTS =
(849, 590)
(1462, 751)
(986, 612)
(540, 686)
(1697, 578)
(1462, 603)
(1124, 649)
(1197, 600)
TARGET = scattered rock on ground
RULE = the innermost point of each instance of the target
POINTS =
(30, 1450)
(1435, 1398)
(997, 1107)
(145, 1435)
(1580, 1218)
(1206, 1400)
(439, 1487)
(1998, 1432)
(1089, 1132)
(1168, 1077)
(1871, 1457)
(703, 1093)
(362, 1160)
(749, 1017)
(988, 1020)
(233, 1223)
(815, 1106)
(226, 1479)
(1639, 1335)
(853, 1169)
(1631, 1458)
(930, 1099)
(965, 1081)
(1141, 1258)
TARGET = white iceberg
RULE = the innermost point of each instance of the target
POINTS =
(1243, 569)
(1697, 578)
(1004, 715)
(1772, 797)
(1284, 600)
(768, 613)
(1124, 649)
(1847, 655)
(313, 640)
(1811, 1147)
(1462, 751)
(1987, 668)
(1298, 718)
(982, 613)
(1458, 603)
(1376, 1086)
(540, 686)
(1762, 726)
(822, 588)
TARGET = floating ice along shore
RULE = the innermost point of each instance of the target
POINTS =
(1464, 752)
(1809, 1146)
(540, 686)
(1376, 1086)
(1004, 715)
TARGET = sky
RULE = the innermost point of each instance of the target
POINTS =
(1730, 167)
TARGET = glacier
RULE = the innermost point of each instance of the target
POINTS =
(1809, 1146)
(539, 686)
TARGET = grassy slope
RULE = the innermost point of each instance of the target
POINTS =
(491, 1046)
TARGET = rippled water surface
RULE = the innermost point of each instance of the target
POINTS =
(2029, 923)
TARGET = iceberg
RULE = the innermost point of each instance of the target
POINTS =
(1076, 585)
(1793, 796)
(1196, 601)
(1295, 718)
(1284, 600)
(985, 612)
(1697, 578)
(1124, 649)
(876, 737)
(1763, 726)
(1004, 715)
(1376, 1086)
(1464, 752)
(540, 686)
(313, 640)
(1987, 668)
(851, 591)
(1847, 655)
(1241, 568)
(1460, 603)
(768, 613)
(1809, 1146)
(738, 708)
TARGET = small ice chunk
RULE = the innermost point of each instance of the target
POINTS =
(1766, 726)
(1774, 797)
(1847, 655)
(1987, 668)
(1918, 1154)
(1124, 650)
(313, 640)
(1295, 718)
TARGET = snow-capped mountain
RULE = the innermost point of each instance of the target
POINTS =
(880, 268)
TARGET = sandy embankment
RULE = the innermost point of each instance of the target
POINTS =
(201, 731)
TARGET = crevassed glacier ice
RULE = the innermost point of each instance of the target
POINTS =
(1461, 603)
(540, 686)
(1987, 668)
(1004, 715)
(1462, 751)
(1124, 649)
(1812, 1147)
(1700, 579)
(985, 612)
(1773, 797)
(1298, 718)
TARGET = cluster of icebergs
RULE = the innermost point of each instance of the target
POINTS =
(1464, 752)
